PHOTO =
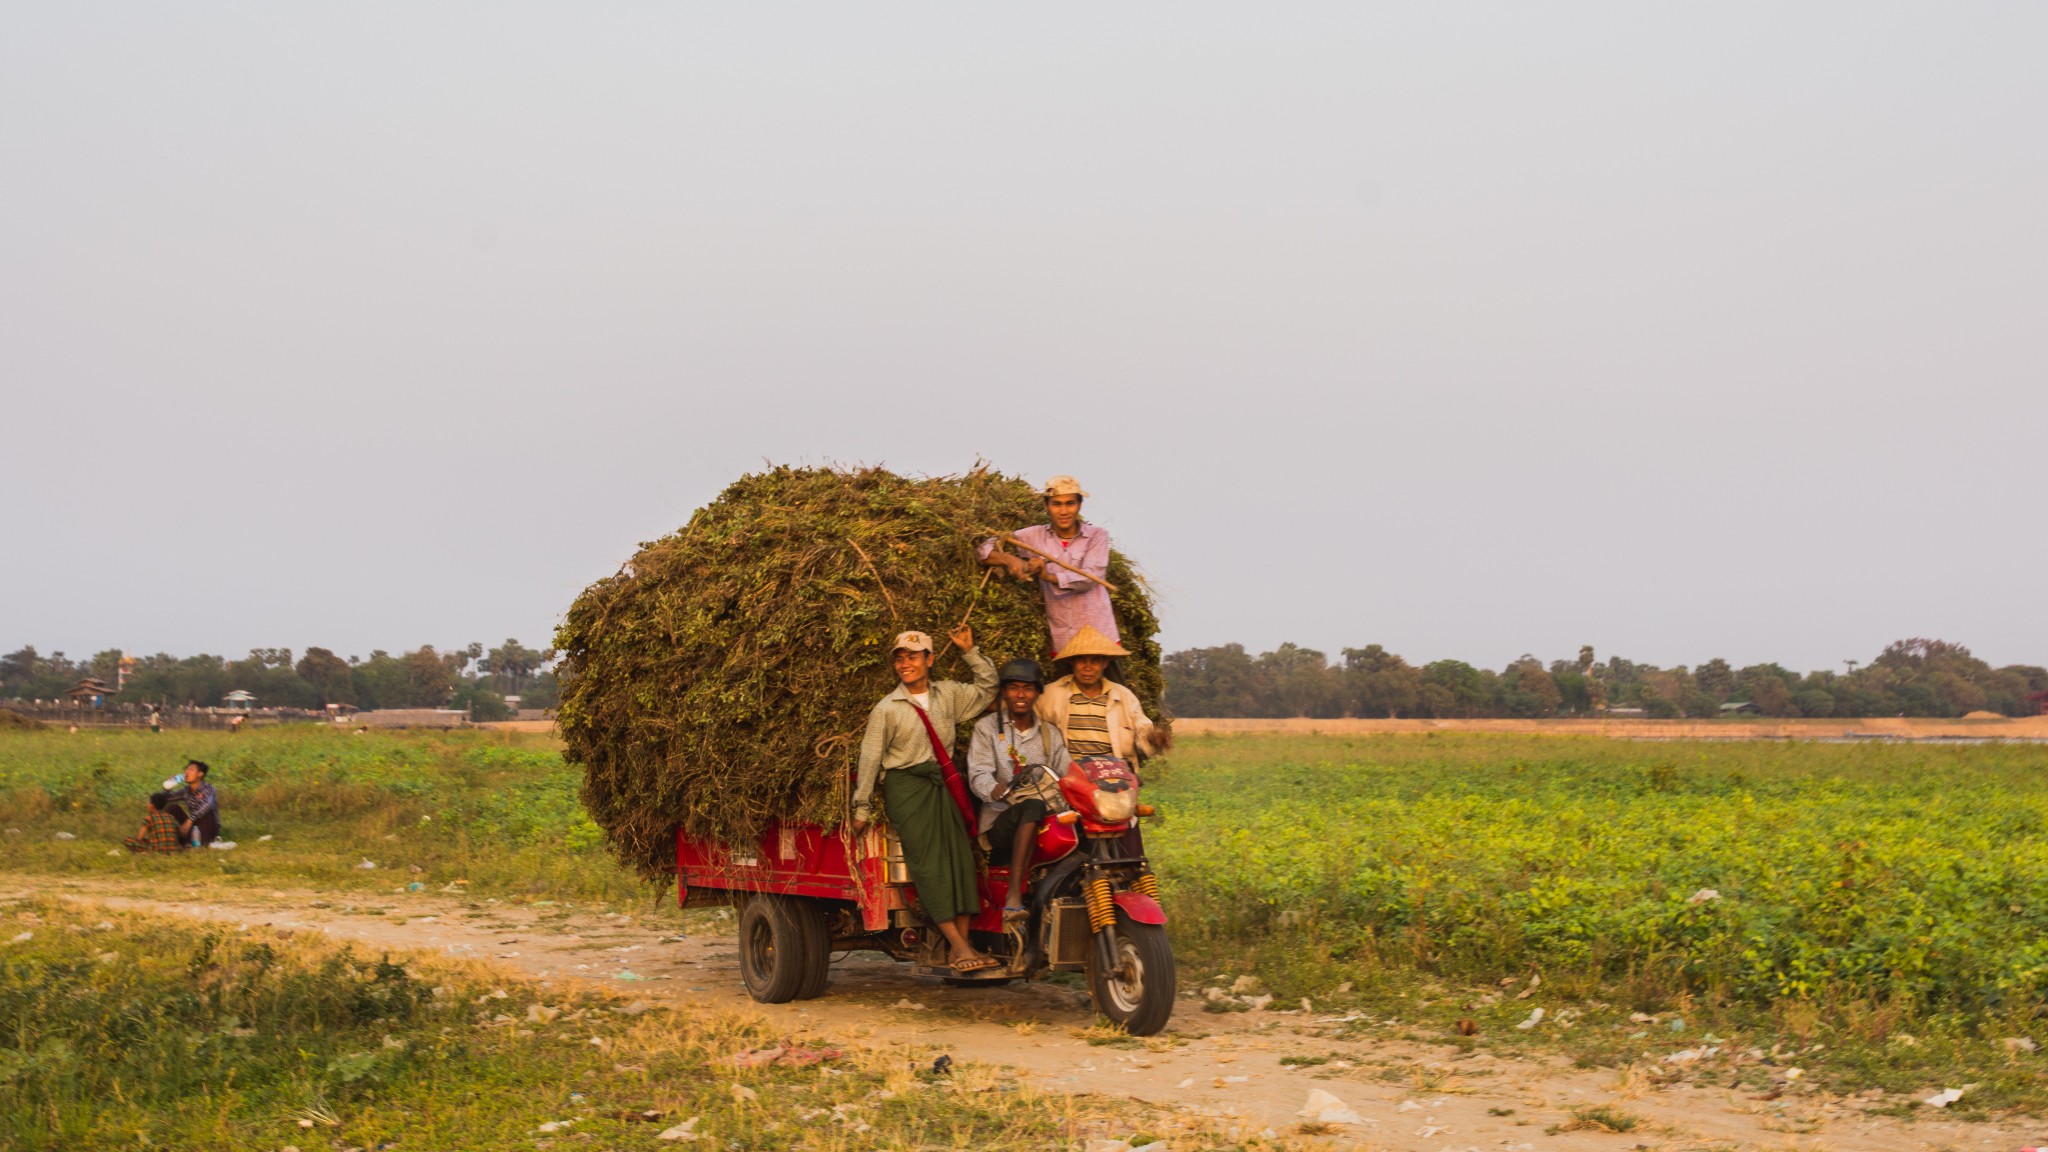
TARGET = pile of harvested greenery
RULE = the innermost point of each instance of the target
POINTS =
(722, 678)
(9, 718)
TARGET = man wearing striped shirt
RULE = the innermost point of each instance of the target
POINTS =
(1098, 716)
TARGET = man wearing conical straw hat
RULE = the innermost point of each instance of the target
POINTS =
(1097, 716)
(906, 746)
(1076, 596)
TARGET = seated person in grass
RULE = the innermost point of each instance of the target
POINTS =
(905, 745)
(1007, 764)
(184, 805)
(159, 831)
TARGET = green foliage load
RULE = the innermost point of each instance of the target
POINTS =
(10, 719)
(722, 678)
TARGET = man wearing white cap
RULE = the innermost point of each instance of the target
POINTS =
(907, 746)
(1072, 601)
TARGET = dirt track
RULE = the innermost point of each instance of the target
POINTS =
(1226, 1064)
(1890, 728)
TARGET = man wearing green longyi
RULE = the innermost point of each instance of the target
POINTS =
(906, 746)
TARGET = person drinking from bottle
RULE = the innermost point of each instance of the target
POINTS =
(906, 748)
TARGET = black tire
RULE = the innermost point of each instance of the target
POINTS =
(1141, 1001)
(774, 949)
(817, 957)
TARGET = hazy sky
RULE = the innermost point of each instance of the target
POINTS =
(1680, 330)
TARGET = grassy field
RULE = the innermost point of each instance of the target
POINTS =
(125, 1031)
(1879, 913)
(1887, 905)
(488, 813)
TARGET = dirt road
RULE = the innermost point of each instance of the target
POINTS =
(1407, 1095)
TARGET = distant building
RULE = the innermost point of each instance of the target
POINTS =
(240, 700)
(91, 692)
(1741, 708)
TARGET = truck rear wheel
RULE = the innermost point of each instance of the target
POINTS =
(780, 945)
(1138, 995)
(811, 917)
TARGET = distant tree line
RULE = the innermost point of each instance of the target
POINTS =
(1909, 678)
(474, 677)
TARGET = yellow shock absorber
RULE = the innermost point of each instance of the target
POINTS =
(1148, 884)
(1101, 909)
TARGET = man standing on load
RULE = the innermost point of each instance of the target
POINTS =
(1072, 601)
(907, 744)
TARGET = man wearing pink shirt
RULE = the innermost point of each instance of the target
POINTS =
(1072, 602)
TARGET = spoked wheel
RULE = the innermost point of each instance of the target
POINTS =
(1137, 994)
(783, 948)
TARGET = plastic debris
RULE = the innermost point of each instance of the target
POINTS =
(223, 845)
(368, 866)
(63, 836)
(687, 1130)
(1535, 1018)
(554, 1125)
(2020, 1044)
(1323, 1108)
(1258, 1003)
(1535, 982)
(905, 1003)
(264, 838)
(1703, 896)
(22, 938)
(1944, 1098)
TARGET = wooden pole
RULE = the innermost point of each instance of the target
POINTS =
(1008, 538)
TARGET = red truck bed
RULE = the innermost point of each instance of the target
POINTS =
(806, 860)
(796, 860)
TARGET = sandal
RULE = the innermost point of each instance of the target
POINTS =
(975, 964)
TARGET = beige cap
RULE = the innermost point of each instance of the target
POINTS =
(1090, 642)
(912, 641)
(1063, 486)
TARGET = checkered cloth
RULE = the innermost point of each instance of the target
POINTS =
(159, 833)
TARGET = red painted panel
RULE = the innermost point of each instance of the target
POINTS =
(796, 860)
(1140, 907)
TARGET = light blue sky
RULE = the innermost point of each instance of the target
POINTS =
(1681, 330)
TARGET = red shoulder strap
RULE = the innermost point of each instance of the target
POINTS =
(954, 784)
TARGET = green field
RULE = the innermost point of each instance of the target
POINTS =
(496, 812)
(126, 1031)
(1887, 902)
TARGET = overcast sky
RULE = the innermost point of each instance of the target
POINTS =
(1680, 330)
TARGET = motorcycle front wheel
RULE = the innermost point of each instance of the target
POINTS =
(1137, 995)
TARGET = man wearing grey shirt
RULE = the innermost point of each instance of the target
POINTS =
(1007, 764)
